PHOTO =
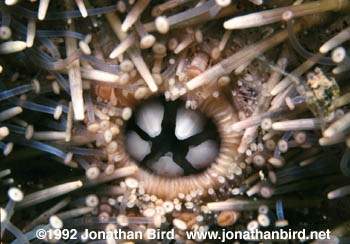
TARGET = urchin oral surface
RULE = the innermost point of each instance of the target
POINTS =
(182, 152)
(179, 115)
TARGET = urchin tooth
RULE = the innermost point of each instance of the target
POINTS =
(166, 166)
(188, 123)
(150, 118)
(203, 155)
(137, 147)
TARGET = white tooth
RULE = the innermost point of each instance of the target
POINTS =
(150, 117)
(188, 123)
(203, 155)
(137, 147)
(166, 166)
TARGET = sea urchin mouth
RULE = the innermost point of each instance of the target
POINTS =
(196, 182)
